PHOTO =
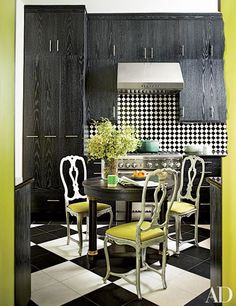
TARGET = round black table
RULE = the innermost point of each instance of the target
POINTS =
(97, 189)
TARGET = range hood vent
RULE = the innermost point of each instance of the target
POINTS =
(157, 78)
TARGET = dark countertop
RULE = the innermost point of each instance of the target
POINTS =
(215, 181)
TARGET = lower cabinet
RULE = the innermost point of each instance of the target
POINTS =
(22, 243)
(212, 168)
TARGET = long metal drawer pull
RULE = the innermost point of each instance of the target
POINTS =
(50, 45)
(50, 136)
(208, 162)
(114, 50)
(145, 53)
(183, 50)
(57, 45)
(152, 53)
(71, 136)
(183, 111)
(53, 200)
(207, 172)
(32, 136)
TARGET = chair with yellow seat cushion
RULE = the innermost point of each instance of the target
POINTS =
(143, 234)
(73, 171)
(188, 196)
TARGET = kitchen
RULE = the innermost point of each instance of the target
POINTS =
(188, 128)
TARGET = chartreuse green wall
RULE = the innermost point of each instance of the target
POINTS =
(229, 163)
(7, 38)
(7, 23)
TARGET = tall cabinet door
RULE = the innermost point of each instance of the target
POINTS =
(72, 101)
(41, 102)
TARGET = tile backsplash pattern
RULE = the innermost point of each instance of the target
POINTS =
(157, 117)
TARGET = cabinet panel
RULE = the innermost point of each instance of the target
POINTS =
(215, 29)
(192, 102)
(163, 47)
(215, 91)
(194, 37)
(100, 42)
(39, 36)
(72, 96)
(70, 34)
(101, 89)
(33, 123)
(130, 38)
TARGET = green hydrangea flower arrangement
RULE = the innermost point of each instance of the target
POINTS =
(111, 143)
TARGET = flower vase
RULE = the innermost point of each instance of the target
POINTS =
(109, 167)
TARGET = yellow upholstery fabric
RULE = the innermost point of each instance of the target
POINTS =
(83, 207)
(181, 207)
(128, 231)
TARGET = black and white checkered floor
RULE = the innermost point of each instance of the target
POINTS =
(61, 277)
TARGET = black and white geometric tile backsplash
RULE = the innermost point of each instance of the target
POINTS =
(157, 117)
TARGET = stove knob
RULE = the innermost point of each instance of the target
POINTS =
(164, 164)
(149, 164)
(171, 164)
(121, 165)
(156, 165)
(134, 165)
(178, 164)
(128, 165)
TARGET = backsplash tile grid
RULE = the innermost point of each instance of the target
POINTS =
(157, 117)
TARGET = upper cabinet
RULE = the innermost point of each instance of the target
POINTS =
(201, 36)
(196, 41)
(57, 30)
(203, 96)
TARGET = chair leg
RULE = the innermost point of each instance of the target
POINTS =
(111, 218)
(177, 230)
(68, 226)
(163, 273)
(87, 227)
(144, 251)
(138, 273)
(196, 228)
(79, 227)
(107, 260)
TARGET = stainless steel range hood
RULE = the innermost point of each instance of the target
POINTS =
(149, 77)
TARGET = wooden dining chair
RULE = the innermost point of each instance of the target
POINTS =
(73, 171)
(188, 196)
(143, 234)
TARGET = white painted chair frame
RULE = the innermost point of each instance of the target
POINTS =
(140, 246)
(192, 174)
(74, 175)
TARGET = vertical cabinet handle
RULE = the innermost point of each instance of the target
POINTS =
(50, 45)
(57, 45)
(212, 112)
(211, 50)
(114, 112)
(152, 53)
(114, 50)
(183, 112)
(145, 53)
(182, 50)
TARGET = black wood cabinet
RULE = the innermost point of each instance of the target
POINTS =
(203, 96)
(212, 168)
(22, 243)
(194, 40)
(101, 90)
(54, 97)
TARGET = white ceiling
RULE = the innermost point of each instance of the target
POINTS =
(136, 6)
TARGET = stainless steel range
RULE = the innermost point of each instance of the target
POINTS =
(149, 161)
